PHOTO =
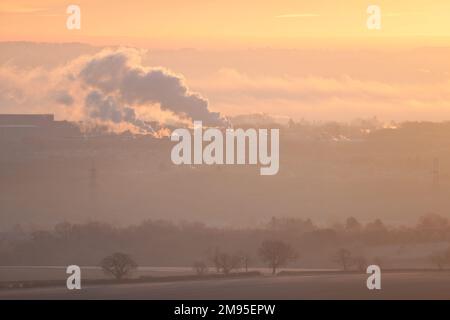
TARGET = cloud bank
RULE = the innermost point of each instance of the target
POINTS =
(317, 97)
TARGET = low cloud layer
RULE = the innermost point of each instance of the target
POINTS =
(341, 98)
(115, 87)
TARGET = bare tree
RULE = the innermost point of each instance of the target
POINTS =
(119, 265)
(245, 260)
(361, 263)
(214, 257)
(344, 258)
(276, 254)
(228, 262)
(225, 262)
(352, 225)
(440, 259)
(200, 268)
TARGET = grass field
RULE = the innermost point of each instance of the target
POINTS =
(395, 285)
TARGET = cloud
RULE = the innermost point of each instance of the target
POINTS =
(341, 85)
(326, 97)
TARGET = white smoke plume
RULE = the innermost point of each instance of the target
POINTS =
(111, 87)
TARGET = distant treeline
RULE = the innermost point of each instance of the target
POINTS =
(163, 243)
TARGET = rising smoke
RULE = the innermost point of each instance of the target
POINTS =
(121, 84)
(111, 87)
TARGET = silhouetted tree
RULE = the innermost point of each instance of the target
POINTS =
(377, 226)
(228, 262)
(276, 254)
(344, 258)
(95, 240)
(438, 259)
(352, 225)
(245, 260)
(200, 268)
(361, 263)
(432, 222)
(118, 265)
(225, 262)
(214, 257)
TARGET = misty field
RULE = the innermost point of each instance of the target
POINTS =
(30, 273)
(399, 285)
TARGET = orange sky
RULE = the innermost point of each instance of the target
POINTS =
(208, 23)
(322, 73)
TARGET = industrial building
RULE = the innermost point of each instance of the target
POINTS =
(18, 126)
